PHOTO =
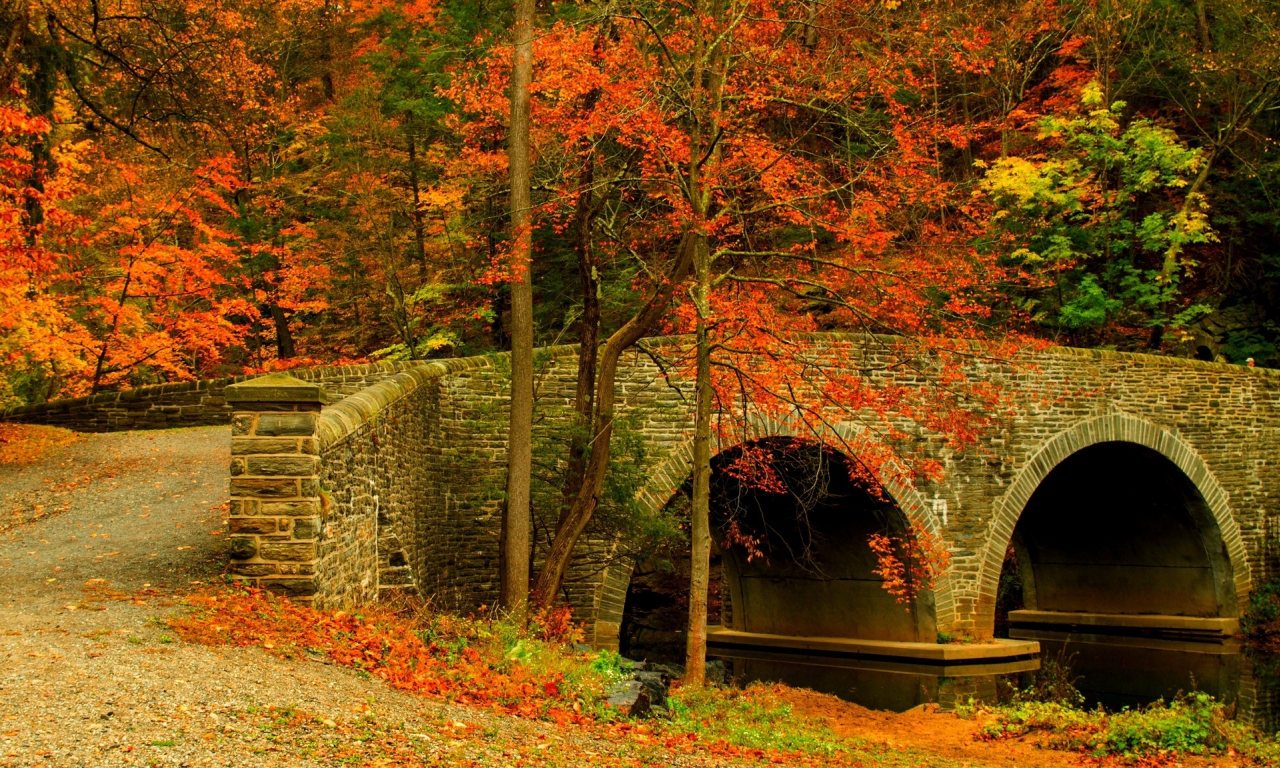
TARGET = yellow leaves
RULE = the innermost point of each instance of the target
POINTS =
(1091, 95)
(28, 443)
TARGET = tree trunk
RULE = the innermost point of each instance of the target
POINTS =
(515, 563)
(551, 578)
(695, 665)
(588, 343)
(1202, 24)
(285, 348)
(419, 229)
(707, 97)
(16, 19)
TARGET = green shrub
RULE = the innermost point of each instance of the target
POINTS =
(1193, 724)
(754, 717)
(1261, 620)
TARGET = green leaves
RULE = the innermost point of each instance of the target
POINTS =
(1100, 213)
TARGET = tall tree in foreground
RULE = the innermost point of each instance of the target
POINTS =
(516, 518)
(704, 136)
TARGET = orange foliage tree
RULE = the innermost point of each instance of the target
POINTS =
(804, 233)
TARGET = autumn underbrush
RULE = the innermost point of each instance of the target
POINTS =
(486, 661)
(22, 444)
(477, 661)
(1162, 732)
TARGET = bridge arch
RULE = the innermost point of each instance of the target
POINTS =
(670, 473)
(1113, 428)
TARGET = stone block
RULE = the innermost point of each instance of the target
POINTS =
(241, 446)
(305, 527)
(292, 588)
(288, 551)
(282, 424)
(304, 508)
(254, 569)
(252, 525)
(294, 466)
(242, 547)
(264, 489)
(241, 424)
(274, 388)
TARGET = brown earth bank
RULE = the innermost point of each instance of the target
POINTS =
(90, 674)
(947, 736)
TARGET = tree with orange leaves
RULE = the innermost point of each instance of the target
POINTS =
(757, 184)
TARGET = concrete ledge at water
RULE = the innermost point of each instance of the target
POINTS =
(888, 649)
(1198, 624)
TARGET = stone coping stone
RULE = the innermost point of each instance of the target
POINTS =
(889, 649)
(275, 388)
(1225, 626)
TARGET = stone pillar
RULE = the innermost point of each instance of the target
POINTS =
(276, 507)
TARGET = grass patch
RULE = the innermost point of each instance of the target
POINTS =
(1193, 724)
(754, 717)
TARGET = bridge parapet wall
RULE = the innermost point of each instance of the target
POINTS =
(367, 501)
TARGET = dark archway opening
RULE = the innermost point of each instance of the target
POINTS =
(794, 556)
(1117, 565)
(1117, 528)
(802, 564)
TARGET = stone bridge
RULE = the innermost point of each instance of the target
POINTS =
(1137, 491)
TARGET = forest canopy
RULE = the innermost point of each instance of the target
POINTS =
(198, 188)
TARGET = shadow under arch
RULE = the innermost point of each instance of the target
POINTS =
(1211, 511)
(605, 619)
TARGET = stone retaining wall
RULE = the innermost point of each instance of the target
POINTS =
(185, 404)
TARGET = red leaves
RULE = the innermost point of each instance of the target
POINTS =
(555, 624)
(909, 563)
(382, 643)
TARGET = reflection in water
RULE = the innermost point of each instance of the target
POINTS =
(874, 683)
(1109, 670)
(1120, 671)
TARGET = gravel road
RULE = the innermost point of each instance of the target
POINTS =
(131, 508)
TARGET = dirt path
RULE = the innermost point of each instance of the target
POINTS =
(131, 508)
